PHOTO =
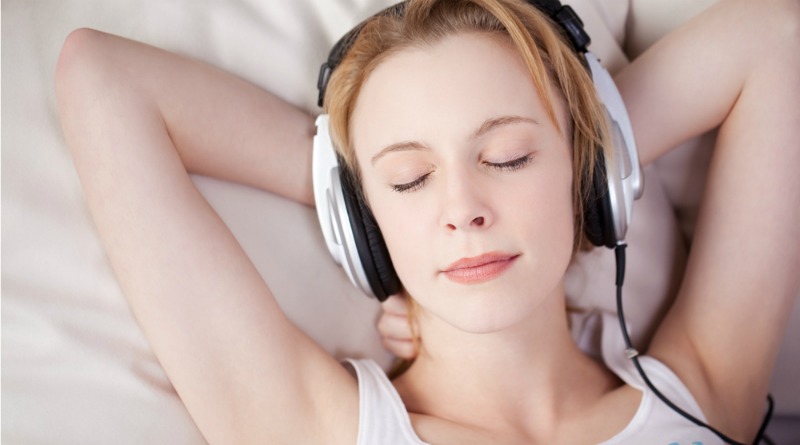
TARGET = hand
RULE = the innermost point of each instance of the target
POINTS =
(395, 328)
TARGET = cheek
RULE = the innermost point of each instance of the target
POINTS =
(545, 219)
(554, 229)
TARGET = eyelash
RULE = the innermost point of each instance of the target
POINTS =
(413, 185)
(418, 183)
(512, 165)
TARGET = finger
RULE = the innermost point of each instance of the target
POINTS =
(400, 348)
(395, 304)
(394, 327)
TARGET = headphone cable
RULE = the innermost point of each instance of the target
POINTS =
(633, 354)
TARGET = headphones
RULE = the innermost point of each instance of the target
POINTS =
(349, 228)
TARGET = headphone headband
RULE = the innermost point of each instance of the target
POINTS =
(343, 45)
(563, 15)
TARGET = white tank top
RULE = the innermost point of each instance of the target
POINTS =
(384, 420)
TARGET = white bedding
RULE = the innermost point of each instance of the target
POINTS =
(75, 366)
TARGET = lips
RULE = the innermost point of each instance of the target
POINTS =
(481, 268)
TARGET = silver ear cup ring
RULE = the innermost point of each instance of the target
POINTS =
(623, 173)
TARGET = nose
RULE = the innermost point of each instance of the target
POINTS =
(465, 206)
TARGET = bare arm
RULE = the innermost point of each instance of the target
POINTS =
(136, 120)
(736, 65)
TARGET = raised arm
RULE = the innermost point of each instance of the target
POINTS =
(736, 65)
(136, 119)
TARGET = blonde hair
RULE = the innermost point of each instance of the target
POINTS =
(552, 63)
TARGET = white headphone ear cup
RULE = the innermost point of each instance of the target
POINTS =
(351, 235)
(623, 174)
(330, 205)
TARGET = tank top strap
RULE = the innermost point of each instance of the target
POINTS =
(382, 418)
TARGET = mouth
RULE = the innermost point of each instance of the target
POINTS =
(481, 268)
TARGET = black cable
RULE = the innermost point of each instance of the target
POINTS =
(630, 352)
(762, 431)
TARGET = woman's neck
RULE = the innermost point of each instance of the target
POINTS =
(524, 376)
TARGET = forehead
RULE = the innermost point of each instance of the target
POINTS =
(446, 89)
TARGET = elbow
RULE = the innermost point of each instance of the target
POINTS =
(84, 64)
(81, 67)
(74, 61)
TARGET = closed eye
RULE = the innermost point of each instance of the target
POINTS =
(512, 165)
(418, 183)
(413, 185)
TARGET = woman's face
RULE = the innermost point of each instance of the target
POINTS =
(469, 180)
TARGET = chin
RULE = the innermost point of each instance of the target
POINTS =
(483, 310)
(487, 320)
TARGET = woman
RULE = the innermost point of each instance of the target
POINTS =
(498, 365)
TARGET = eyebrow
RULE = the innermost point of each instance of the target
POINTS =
(400, 146)
(487, 126)
(492, 123)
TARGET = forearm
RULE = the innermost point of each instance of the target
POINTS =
(221, 126)
(735, 66)
(688, 82)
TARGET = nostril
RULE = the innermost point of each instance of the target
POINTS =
(478, 221)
